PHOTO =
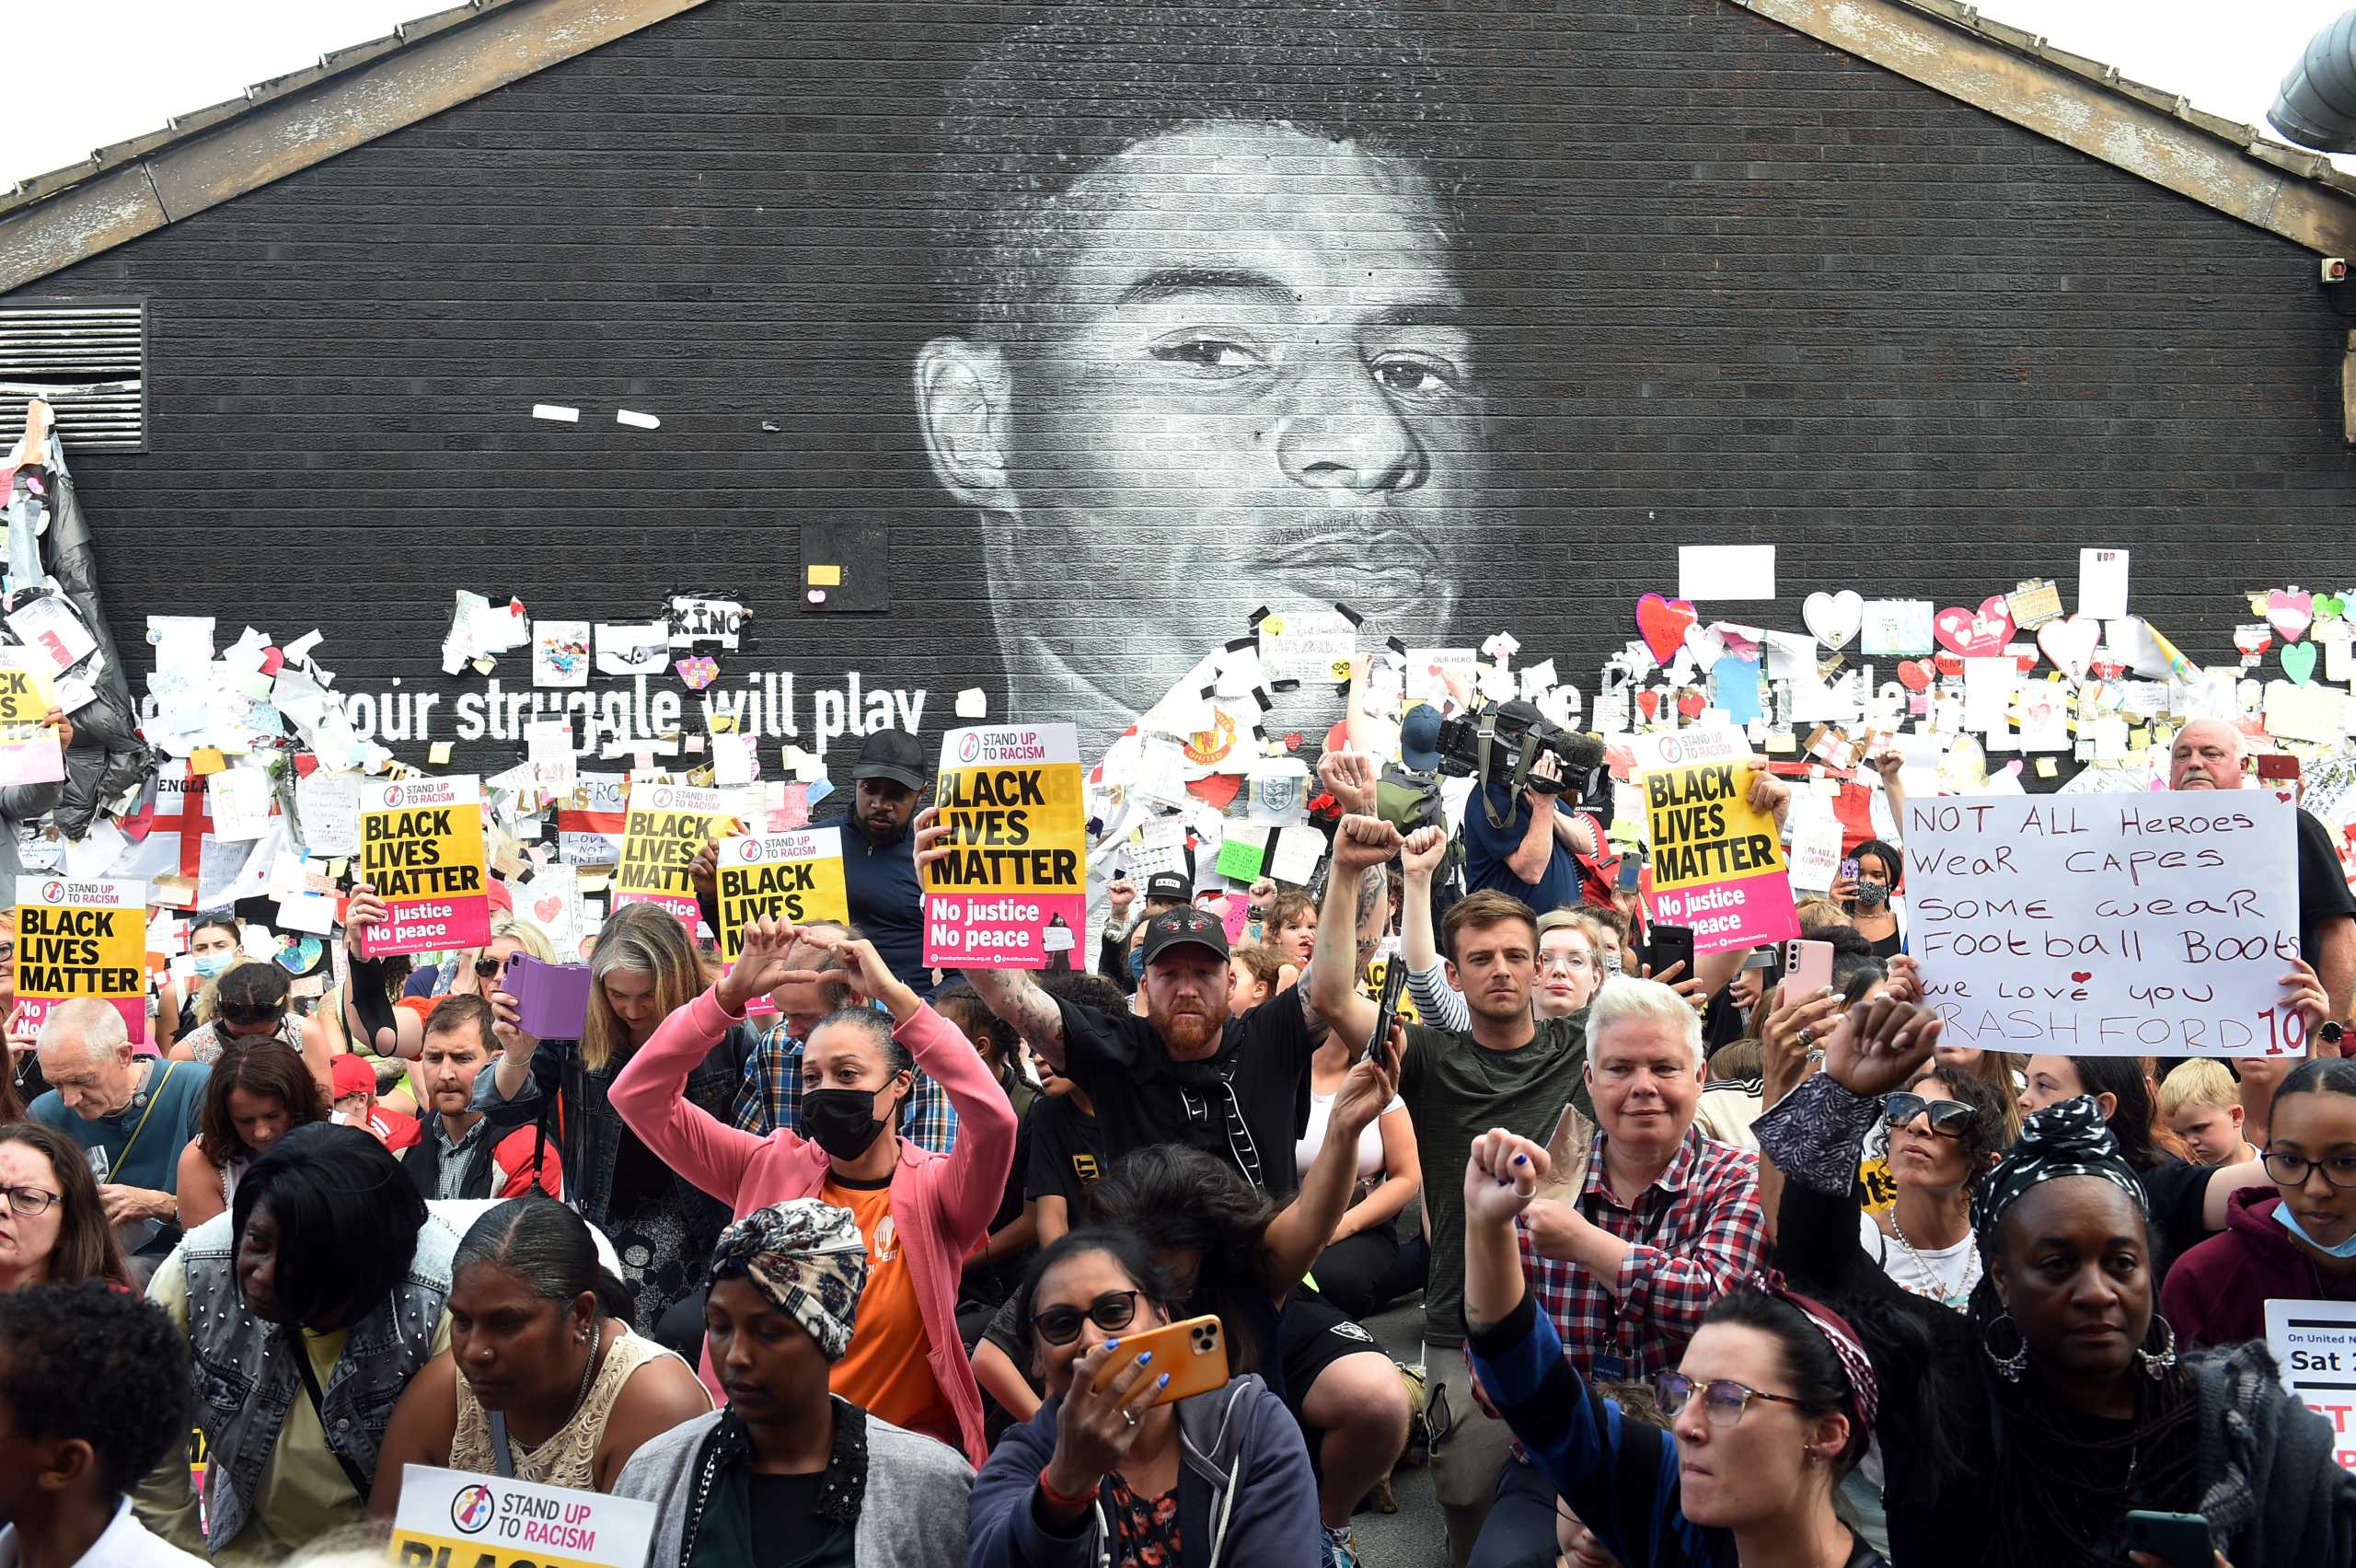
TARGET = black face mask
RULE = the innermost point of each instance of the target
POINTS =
(840, 1120)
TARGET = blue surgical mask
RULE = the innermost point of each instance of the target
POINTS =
(209, 965)
(2290, 1222)
(1137, 963)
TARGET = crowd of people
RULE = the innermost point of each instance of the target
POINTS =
(837, 1260)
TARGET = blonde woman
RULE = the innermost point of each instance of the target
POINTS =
(645, 969)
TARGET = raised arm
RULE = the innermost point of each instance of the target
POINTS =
(1290, 1244)
(1536, 851)
(1360, 843)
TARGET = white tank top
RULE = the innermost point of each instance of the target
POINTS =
(1312, 1138)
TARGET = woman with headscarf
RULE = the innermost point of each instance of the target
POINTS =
(813, 1479)
(1772, 1403)
(2060, 1393)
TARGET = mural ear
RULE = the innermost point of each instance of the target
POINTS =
(961, 393)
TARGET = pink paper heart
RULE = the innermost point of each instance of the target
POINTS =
(1663, 624)
(2071, 643)
(1975, 633)
(699, 671)
(2291, 613)
(546, 910)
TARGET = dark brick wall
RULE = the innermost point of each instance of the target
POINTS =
(1727, 285)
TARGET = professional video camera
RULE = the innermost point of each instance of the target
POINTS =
(1498, 743)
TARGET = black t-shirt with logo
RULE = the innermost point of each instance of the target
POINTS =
(1067, 1155)
(1259, 1078)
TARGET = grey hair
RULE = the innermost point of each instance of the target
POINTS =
(95, 1023)
(1625, 1000)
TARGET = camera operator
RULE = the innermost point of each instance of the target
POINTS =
(1548, 857)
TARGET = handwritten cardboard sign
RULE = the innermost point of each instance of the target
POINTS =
(795, 877)
(1311, 646)
(1717, 865)
(28, 750)
(2314, 1344)
(2112, 925)
(460, 1519)
(82, 938)
(1018, 866)
(664, 829)
(421, 850)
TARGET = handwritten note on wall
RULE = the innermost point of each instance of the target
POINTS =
(2106, 924)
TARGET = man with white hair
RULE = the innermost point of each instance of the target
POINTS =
(140, 1110)
(2208, 755)
(1663, 1222)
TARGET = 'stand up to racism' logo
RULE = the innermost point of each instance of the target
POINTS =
(971, 749)
(472, 1508)
(752, 851)
(53, 892)
(392, 797)
(662, 799)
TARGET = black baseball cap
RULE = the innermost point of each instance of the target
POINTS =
(1176, 927)
(891, 753)
(1170, 885)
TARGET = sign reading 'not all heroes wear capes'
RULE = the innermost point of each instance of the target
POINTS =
(1012, 894)
(458, 1519)
(2124, 925)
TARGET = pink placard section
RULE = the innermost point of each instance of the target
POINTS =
(684, 910)
(1006, 931)
(1742, 913)
(132, 1009)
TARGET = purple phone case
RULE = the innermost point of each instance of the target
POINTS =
(551, 999)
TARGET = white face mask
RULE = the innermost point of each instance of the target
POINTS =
(209, 965)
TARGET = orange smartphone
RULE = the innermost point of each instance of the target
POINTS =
(1194, 1352)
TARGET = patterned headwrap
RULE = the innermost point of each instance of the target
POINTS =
(1864, 1387)
(2069, 1139)
(807, 1259)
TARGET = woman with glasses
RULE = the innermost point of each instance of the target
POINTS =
(788, 1472)
(53, 1228)
(1944, 1128)
(480, 971)
(257, 1094)
(215, 940)
(249, 1003)
(1773, 1402)
(2294, 1240)
(1106, 1475)
(2024, 1430)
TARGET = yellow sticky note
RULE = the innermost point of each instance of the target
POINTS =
(440, 756)
(206, 759)
(2045, 768)
(826, 577)
(2138, 739)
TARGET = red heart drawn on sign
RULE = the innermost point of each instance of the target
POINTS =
(2081, 976)
(1690, 703)
(1663, 623)
(1913, 676)
(548, 910)
(1649, 701)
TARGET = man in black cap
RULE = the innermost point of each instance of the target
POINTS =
(1187, 1072)
(1164, 891)
(879, 854)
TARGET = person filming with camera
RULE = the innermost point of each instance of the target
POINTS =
(1524, 843)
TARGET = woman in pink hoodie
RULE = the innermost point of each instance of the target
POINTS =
(920, 1211)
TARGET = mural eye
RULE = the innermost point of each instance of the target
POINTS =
(1207, 353)
(1415, 376)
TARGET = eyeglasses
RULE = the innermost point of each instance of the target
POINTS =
(1723, 1401)
(2292, 1170)
(1950, 1118)
(485, 968)
(1111, 1312)
(31, 1202)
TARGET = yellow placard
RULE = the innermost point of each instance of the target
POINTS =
(1012, 828)
(422, 850)
(796, 877)
(664, 826)
(1704, 829)
(82, 938)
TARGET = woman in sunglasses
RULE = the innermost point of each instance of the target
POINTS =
(1771, 1404)
(2295, 1239)
(52, 1228)
(1944, 1129)
(249, 1002)
(1107, 1475)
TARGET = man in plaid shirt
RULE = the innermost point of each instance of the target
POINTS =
(1665, 1222)
(770, 1094)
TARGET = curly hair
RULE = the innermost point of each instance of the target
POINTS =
(1180, 1200)
(1985, 1138)
(93, 1361)
(263, 1066)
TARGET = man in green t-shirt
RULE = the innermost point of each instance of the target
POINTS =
(140, 1110)
(1510, 1069)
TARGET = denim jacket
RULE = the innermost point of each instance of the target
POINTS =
(245, 1375)
(582, 1128)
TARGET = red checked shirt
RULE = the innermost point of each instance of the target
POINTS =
(1694, 1234)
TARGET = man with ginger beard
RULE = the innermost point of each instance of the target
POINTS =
(1187, 1072)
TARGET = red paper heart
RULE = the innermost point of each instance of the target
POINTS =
(272, 660)
(2105, 668)
(1974, 633)
(2081, 976)
(1218, 790)
(1690, 703)
(1947, 663)
(1914, 676)
(1649, 701)
(1663, 624)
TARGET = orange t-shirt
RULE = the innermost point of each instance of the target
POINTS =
(886, 1369)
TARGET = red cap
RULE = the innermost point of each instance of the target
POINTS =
(501, 898)
(353, 1076)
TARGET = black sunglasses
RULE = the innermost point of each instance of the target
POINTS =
(1950, 1118)
(1111, 1312)
(485, 968)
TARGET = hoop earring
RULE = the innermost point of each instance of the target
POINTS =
(2158, 1367)
(2008, 1367)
